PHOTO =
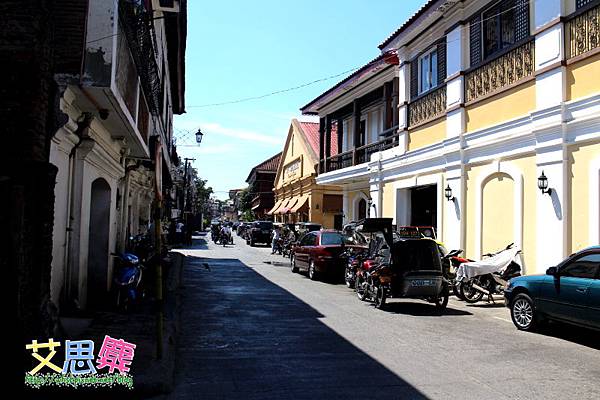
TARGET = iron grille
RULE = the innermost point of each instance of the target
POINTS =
(521, 20)
(137, 24)
(581, 3)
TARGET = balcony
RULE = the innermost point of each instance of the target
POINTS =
(504, 71)
(582, 32)
(427, 107)
(121, 75)
(362, 154)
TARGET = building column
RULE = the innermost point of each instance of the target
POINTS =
(550, 85)
(340, 135)
(403, 76)
(356, 127)
(328, 121)
(453, 221)
(346, 205)
(321, 144)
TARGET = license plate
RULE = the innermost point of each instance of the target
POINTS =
(422, 282)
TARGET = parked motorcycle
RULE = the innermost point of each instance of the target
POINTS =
(490, 275)
(127, 279)
(354, 259)
(450, 263)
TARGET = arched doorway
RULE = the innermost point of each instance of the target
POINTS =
(498, 212)
(362, 209)
(97, 273)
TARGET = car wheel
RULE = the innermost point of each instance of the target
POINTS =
(251, 243)
(522, 312)
(294, 266)
(312, 272)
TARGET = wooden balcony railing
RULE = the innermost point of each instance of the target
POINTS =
(582, 32)
(428, 107)
(361, 154)
(502, 71)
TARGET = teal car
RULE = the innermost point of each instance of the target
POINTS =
(569, 292)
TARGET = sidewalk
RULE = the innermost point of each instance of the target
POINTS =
(150, 375)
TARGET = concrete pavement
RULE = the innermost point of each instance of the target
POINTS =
(252, 330)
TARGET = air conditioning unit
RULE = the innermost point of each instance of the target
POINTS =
(166, 5)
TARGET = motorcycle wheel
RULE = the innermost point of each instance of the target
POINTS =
(456, 291)
(349, 279)
(380, 297)
(441, 302)
(294, 266)
(470, 294)
(359, 286)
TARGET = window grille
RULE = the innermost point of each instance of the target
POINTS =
(475, 40)
(581, 3)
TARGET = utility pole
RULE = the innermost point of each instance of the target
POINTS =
(188, 200)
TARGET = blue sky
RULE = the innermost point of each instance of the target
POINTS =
(239, 49)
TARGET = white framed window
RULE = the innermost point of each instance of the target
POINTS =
(428, 70)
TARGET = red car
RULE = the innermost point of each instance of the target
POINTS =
(319, 253)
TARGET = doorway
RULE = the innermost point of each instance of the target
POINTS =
(97, 274)
(417, 206)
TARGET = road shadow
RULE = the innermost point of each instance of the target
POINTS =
(581, 336)
(244, 337)
(419, 308)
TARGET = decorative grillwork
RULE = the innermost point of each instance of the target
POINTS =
(363, 154)
(583, 32)
(340, 161)
(500, 72)
(137, 24)
(427, 107)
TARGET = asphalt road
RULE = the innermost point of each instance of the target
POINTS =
(251, 329)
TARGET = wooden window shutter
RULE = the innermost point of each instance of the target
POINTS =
(441, 57)
(414, 78)
(475, 40)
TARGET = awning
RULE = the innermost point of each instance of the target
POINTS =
(289, 205)
(302, 201)
(276, 207)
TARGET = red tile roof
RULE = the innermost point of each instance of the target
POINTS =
(311, 132)
(269, 165)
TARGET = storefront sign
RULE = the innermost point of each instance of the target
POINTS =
(293, 170)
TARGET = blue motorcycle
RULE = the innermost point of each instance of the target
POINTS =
(127, 278)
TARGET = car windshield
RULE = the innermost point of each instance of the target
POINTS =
(417, 255)
(331, 238)
(264, 225)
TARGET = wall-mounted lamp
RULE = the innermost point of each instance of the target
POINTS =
(199, 136)
(543, 184)
(448, 193)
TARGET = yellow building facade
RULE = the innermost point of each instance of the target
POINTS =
(298, 198)
(482, 115)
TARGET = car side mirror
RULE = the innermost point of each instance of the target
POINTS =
(552, 271)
